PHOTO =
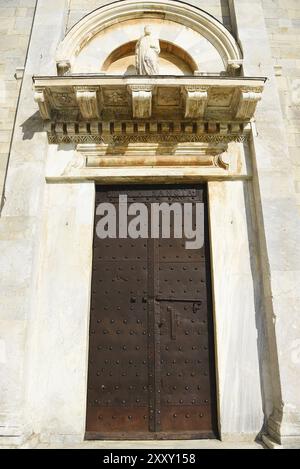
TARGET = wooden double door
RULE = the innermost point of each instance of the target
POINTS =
(151, 354)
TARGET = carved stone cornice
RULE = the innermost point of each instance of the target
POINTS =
(87, 100)
(202, 154)
(125, 140)
(136, 132)
(195, 101)
(141, 101)
(118, 163)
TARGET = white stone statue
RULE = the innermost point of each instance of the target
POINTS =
(146, 54)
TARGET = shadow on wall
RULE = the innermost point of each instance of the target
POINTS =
(224, 9)
(260, 319)
(131, 70)
(32, 125)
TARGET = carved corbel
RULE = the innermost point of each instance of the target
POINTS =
(87, 100)
(63, 67)
(141, 101)
(247, 103)
(195, 101)
(44, 107)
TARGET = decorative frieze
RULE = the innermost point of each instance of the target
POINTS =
(211, 99)
(118, 132)
(78, 139)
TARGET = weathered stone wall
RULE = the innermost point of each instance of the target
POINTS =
(20, 217)
(15, 26)
(31, 312)
(218, 8)
(283, 24)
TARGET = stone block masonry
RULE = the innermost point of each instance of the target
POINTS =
(218, 8)
(283, 24)
(15, 26)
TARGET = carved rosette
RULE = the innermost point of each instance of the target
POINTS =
(141, 101)
(195, 101)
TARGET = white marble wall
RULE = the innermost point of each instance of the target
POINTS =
(279, 225)
(59, 336)
(236, 287)
(45, 262)
(19, 225)
(56, 393)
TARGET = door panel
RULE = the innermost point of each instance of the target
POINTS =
(151, 360)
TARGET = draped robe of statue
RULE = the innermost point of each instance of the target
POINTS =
(146, 54)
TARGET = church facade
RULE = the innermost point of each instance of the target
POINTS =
(119, 107)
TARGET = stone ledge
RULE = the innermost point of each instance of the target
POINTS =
(72, 442)
(87, 97)
(288, 443)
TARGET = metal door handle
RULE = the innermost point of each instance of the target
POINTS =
(187, 300)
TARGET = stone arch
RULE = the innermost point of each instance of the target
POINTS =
(169, 51)
(192, 17)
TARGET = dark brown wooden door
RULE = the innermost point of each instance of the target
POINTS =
(151, 353)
